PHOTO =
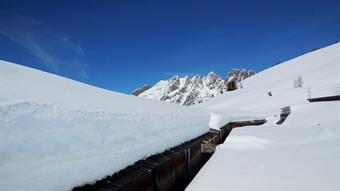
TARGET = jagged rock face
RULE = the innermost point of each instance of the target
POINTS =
(239, 74)
(190, 91)
(138, 91)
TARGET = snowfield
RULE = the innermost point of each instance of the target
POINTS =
(301, 154)
(56, 133)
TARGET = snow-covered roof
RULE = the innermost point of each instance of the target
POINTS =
(56, 133)
(303, 152)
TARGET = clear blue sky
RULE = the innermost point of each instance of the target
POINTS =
(121, 44)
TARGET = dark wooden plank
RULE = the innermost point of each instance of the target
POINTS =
(328, 98)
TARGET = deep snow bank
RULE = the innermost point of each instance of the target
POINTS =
(300, 154)
(57, 133)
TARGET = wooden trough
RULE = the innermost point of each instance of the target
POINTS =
(170, 170)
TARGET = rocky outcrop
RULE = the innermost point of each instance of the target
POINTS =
(239, 74)
(138, 91)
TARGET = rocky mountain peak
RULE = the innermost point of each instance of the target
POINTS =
(190, 91)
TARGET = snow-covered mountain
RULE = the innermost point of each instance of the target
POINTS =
(65, 133)
(190, 91)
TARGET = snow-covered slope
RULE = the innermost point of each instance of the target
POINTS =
(320, 73)
(190, 91)
(300, 154)
(56, 133)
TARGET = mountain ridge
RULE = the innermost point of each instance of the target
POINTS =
(193, 90)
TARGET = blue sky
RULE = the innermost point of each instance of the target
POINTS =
(121, 44)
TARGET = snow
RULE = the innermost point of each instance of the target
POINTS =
(56, 133)
(301, 154)
(215, 121)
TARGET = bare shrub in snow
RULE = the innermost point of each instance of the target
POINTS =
(298, 82)
(309, 93)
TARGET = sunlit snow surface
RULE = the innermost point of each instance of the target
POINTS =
(301, 154)
(56, 133)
